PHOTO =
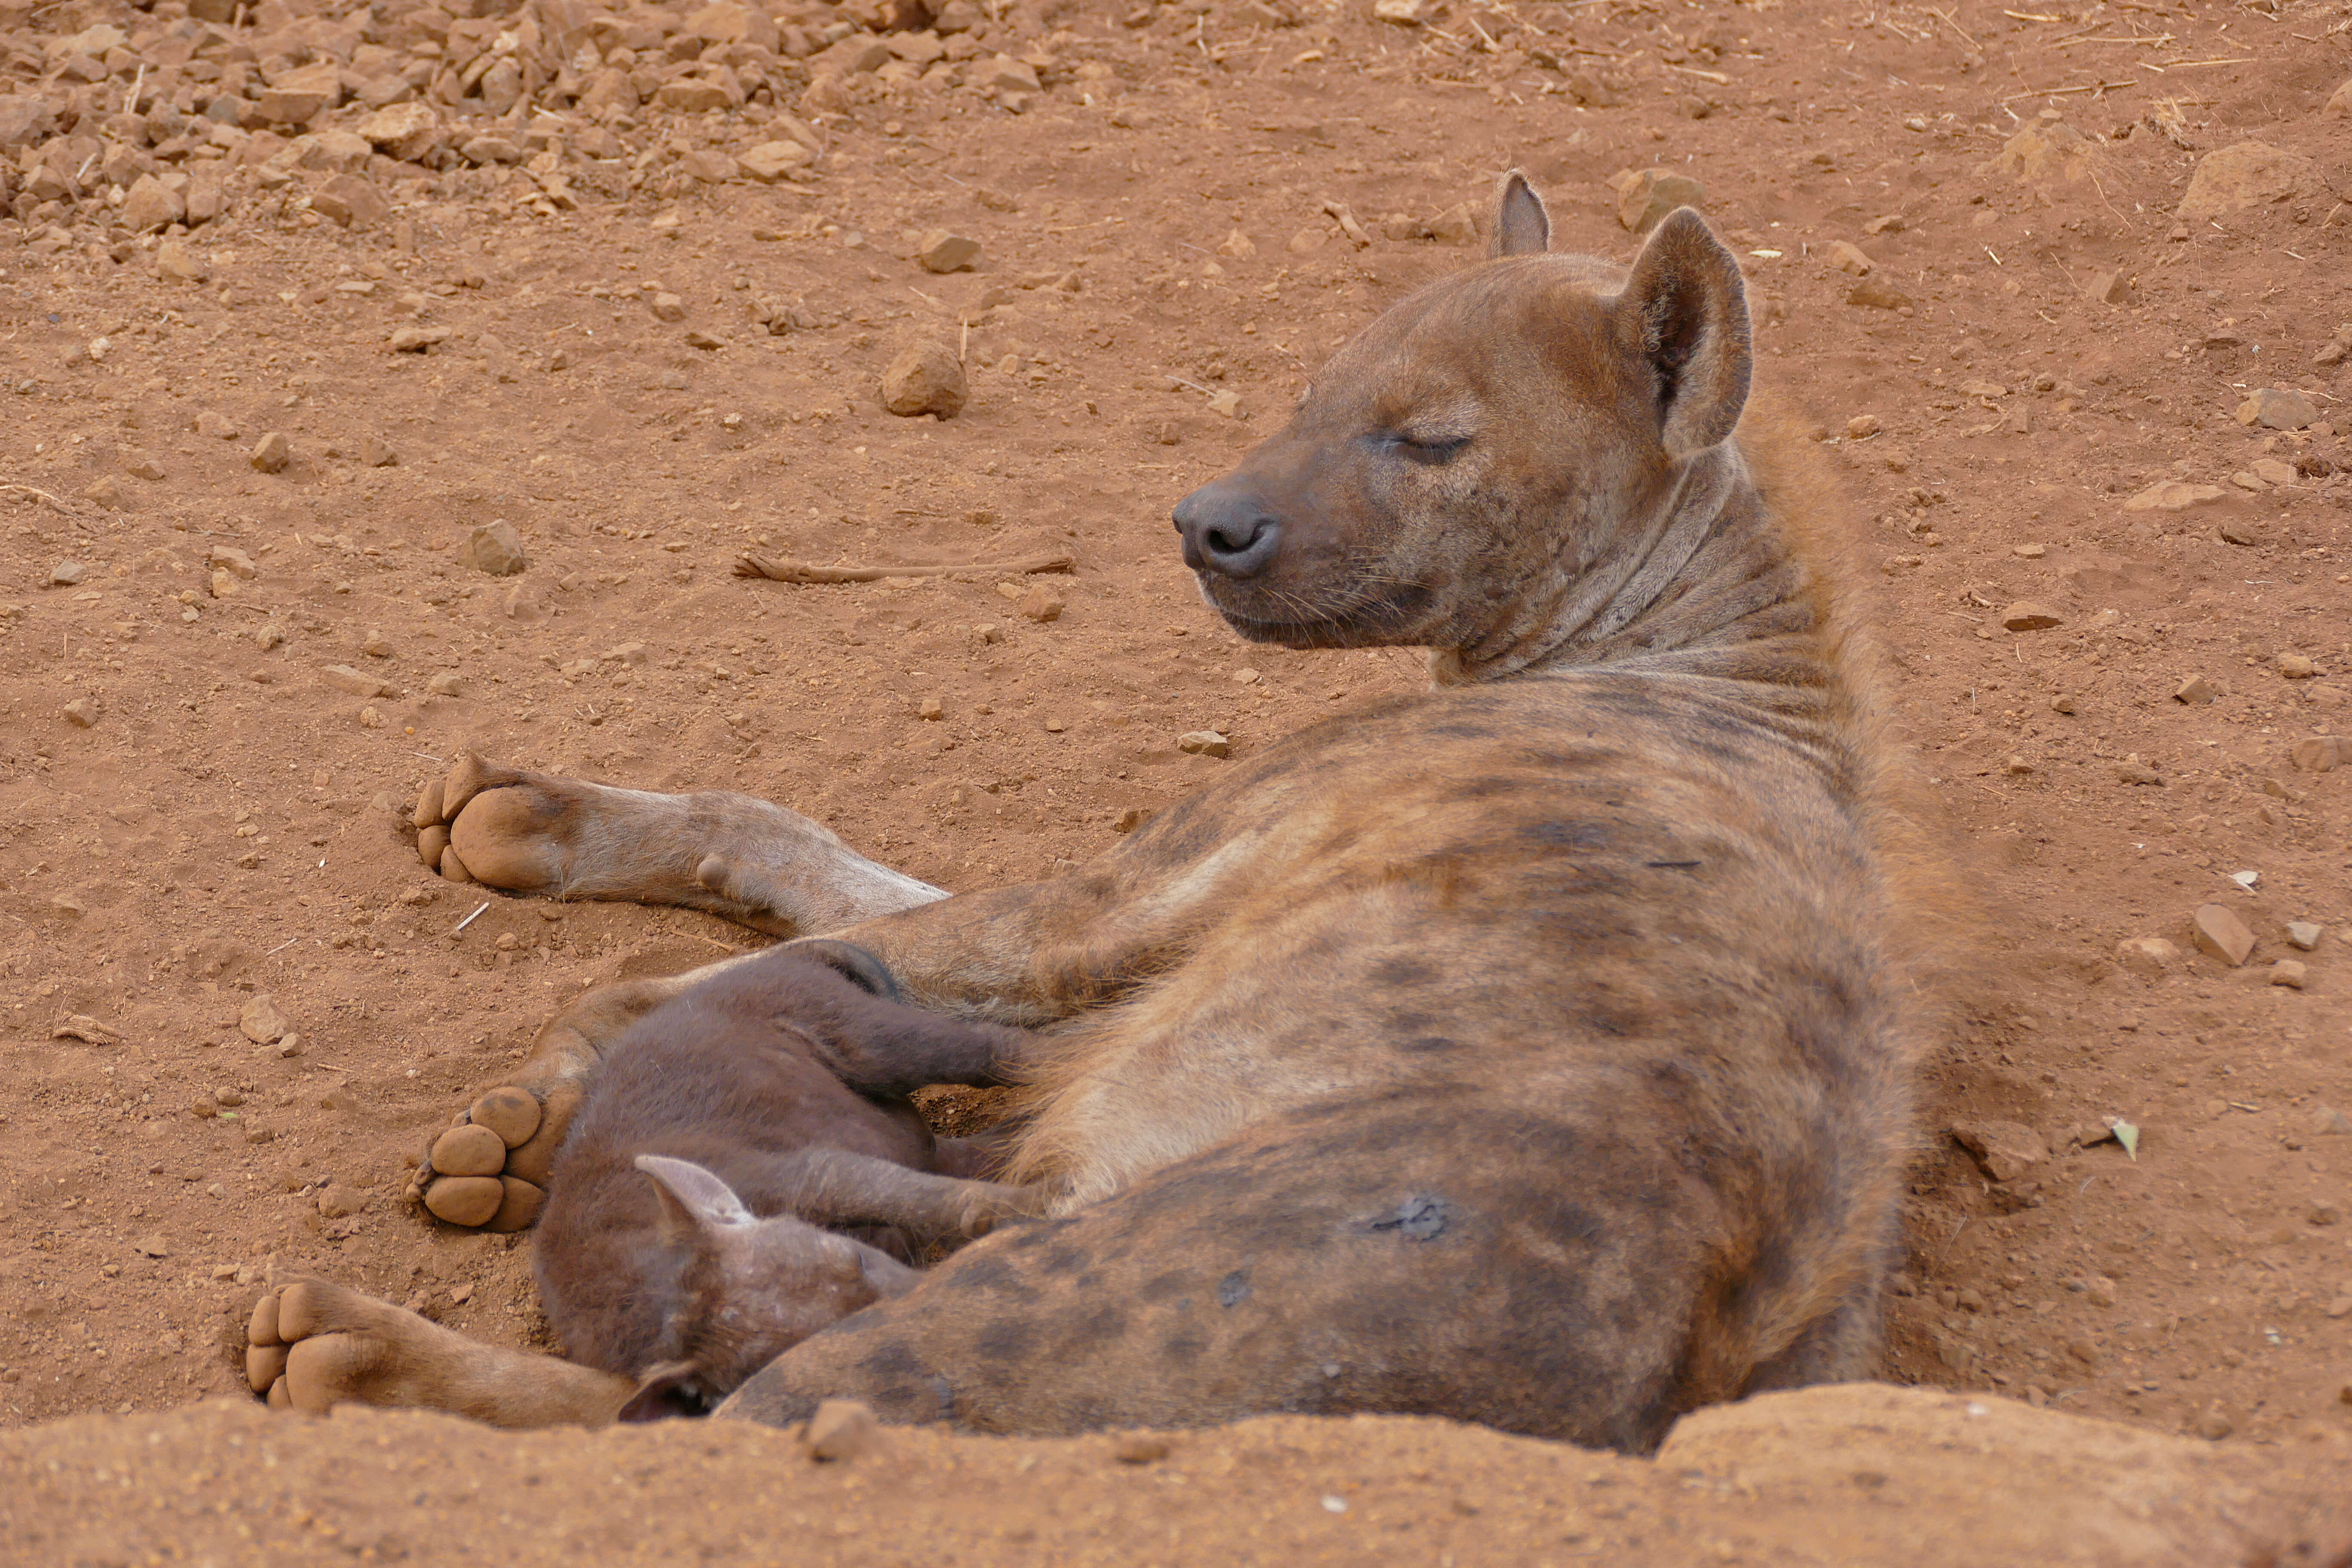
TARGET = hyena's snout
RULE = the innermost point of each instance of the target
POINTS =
(1228, 529)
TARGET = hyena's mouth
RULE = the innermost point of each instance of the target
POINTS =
(1269, 616)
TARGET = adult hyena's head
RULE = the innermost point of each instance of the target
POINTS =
(1493, 435)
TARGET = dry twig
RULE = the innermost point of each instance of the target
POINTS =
(800, 572)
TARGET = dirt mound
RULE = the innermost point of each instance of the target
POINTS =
(1857, 1474)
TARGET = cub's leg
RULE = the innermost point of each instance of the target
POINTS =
(834, 1187)
(311, 1346)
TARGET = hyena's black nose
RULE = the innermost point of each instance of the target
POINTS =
(1228, 530)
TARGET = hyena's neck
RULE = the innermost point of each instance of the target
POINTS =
(1706, 584)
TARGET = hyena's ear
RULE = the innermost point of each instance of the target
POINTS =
(1522, 228)
(1684, 314)
(694, 1202)
(672, 1388)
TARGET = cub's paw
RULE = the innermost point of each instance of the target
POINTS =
(489, 1169)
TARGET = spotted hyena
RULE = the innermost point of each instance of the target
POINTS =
(1534, 1050)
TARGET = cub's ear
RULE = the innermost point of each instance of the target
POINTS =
(1684, 314)
(693, 1201)
(1522, 228)
(670, 1389)
(854, 964)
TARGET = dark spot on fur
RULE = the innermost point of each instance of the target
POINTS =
(1063, 1260)
(1432, 1043)
(1159, 1287)
(892, 1360)
(1402, 973)
(1233, 1289)
(1006, 1339)
(1182, 1347)
(1570, 835)
(1421, 1217)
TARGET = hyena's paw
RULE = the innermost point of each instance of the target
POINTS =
(311, 1346)
(987, 1205)
(489, 1169)
(504, 828)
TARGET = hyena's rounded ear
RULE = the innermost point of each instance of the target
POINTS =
(672, 1388)
(1521, 225)
(1683, 313)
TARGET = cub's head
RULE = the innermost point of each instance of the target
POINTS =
(1491, 437)
(747, 1290)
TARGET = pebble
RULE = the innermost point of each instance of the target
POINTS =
(2132, 771)
(2061, 703)
(943, 251)
(1651, 193)
(772, 161)
(496, 549)
(2295, 667)
(469, 1150)
(81, 713)
(2147, 954)
(2109, 288)
(926, 378)
(2173, 495)
(2028, 615)
(2289, 972)
(841, 1429)
(668, 308)
(2195, 689)
(2213, 1425)
(930, 708)
(272, 453)
(2276, 409)
(1041, 604)
(358, 682)
(174, 259)
(1205, 742)
(1877, 294)
(2027, 552)
(1849, 257)
(1862, 427)
(67, 573)
(2320, 753)
(441, 683)
(2007, 1150)
(2221, 934)
(377, 453)
(2304, 934)
(236, 561)
(261, 1022)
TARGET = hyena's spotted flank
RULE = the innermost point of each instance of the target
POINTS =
(1531, 1051)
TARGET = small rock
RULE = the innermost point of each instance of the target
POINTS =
(2289, 972)
(926, 378)
(377, 645)
(81, 713)
(1139, 1448)
(2062, 703)
(841, 1429)
(2277, 408)
(443, 683)
(2109, 288)
(496, 549)
(234, 560)
(2275, 471)
(176, 260)
(2195, 689)
(772, 161)
(415, 340)
(219, 427)
(1205, 742)
(1651, 193)
(2027, 615)
(2083, 1350)
(2304, 934)
(941, 251)
(2320, 753)
(1849, 257)
(152, 1246)
(2132, 771)
(2213, 1425)
(2328, 1123)
(2007, 1150)
(260, 1021)
(377, 453)
(2173, 495)
(2149, 955)
(1133, 817)
(2247, 175)
(2325, 1214)
(2221, 934)
(930, 708)
(272, 453)
(2295, 667)
(1003, 74)
(151, 204)
(67, 573)
(358, 682)
(351, 201)
(2101, 1290)
(1041, 604)
(1877, 294)
(2027, 552)
(1862, 428)
(405, 131)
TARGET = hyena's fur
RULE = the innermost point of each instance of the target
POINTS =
(1533, 1051)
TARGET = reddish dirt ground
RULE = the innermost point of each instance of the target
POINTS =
(1196, 203)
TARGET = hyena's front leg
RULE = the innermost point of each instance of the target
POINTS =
(745, 859)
